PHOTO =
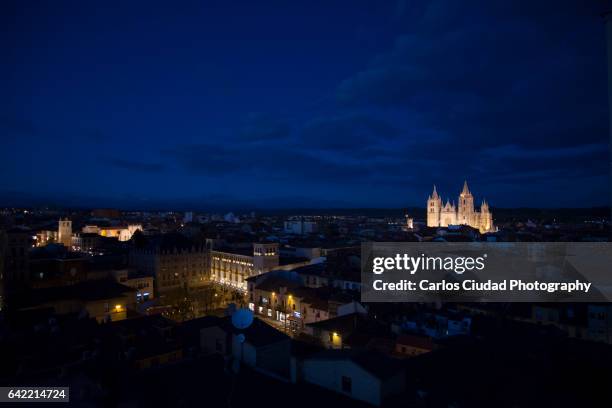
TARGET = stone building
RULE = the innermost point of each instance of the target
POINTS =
(439, 215)
(173, 260)
(64, 232)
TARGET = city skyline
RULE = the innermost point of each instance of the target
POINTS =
(369, 203)
(154, 108)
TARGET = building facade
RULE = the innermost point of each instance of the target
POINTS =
(64, 232)
(362, 376)
(141, 283)
(231, 268)
(46, 237)
(85, 242)
(122, 233)
(443, 215)
(173, 267)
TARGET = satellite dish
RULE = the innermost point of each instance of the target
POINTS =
(242, 318)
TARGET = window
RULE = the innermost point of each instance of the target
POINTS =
(347, 384)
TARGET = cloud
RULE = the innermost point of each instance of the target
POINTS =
(507, 70)
(136, 165)
(257, 160)
(330, 149)
(508, 91)
(347, 132)
(261, 127)
(513, 94)
(517, 152)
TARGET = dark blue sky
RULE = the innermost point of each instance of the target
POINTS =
(303, 104)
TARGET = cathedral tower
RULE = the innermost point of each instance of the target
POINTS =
(434, 208)
(448, 216)
(64, 233)
(466, 206)
(486, 218)
(464, 213)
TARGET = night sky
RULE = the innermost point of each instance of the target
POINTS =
(302, 104)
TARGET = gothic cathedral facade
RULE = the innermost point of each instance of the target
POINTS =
(439, 215)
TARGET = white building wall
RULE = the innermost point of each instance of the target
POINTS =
(349, 308)
(328, 374)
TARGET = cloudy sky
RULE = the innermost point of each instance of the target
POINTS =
(303, 104)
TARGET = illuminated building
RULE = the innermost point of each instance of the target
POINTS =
(143, 284)
(409, 224)
(173, 260)
(85, 242)
(90, 229)
(439, 215)
(230, 269)
(232, 266)
(334, 331)
(64, 232)
(277, 297)
(46, 237)
(121, 233)
(283, 296)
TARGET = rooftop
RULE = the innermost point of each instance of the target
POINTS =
(83, 291)
(273, 283)
(373, 362)
(235, 250)
(423, 342)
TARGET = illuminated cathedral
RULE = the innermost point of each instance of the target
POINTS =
(439, 215)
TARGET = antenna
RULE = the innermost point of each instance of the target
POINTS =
(241, 319)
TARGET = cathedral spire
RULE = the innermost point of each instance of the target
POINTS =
(444, 213)
(435, 193)
(466, 190)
